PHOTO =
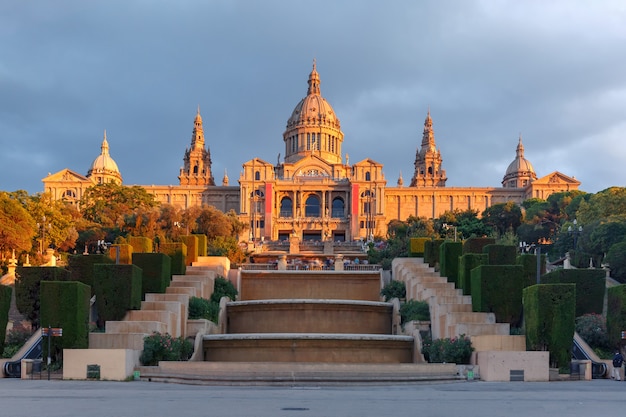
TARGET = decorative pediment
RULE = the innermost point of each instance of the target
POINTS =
(66, 175)
(556, 178)
(312, 166)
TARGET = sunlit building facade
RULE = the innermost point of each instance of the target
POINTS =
(314, 193)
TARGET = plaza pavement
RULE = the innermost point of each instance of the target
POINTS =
(19, 398)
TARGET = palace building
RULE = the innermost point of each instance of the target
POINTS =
(314, 193)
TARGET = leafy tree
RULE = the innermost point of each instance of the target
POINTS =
(57, 217)
(108, 204)
(503, 217)
(616, 259)
(226, 246)
(213, 223)
(606, 204)
(17, 226)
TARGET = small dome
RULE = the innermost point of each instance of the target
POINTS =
(104, 167)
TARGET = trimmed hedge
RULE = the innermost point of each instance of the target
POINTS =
(449, 254)
(81, 267)
(549, 317)
(529, 263)
(141, 244)
(590, 287)
(476, 244)
(66, 305)
(117, 289)
(5, 305)
(498, 289)
(192, 248)
(178, 254)
(416, 246)
(27, 287)
(501, 254)
(431, 251)
(125, 253)
(203, 244)
(616, 314)
(468, 262)
(157, 272)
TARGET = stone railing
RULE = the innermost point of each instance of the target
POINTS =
(308, 267)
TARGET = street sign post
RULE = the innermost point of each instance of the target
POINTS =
(51, 332)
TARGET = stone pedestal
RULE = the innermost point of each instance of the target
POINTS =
(282, 263)
(339, 262)
(294, 244)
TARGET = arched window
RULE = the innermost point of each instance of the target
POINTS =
(69, 194)
(286, 207)
(195, 169)
(257, 176)
(312, 207)
(368, 176)
(338, 208)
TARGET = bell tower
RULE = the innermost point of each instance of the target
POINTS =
(428, 172)
(197, 168)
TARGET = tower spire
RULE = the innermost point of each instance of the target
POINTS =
(104, 148)
(314, 81)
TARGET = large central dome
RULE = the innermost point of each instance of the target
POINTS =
(313, 127)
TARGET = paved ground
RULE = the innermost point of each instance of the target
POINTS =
(148, 399)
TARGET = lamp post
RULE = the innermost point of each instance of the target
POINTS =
(575, 232)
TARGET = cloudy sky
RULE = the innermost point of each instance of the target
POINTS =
(553, 71)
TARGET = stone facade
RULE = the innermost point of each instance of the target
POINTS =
(315, 193)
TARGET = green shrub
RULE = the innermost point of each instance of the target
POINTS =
(117, 289)
(395, 289)
(15, 339)
(141, 244)
(121, 252)
(456, 350)
(549, 320)
(27, 287)
(416, 246)
(223, 288)
(157, 272)
(81, 267)
(191, 241)
(590, 287)
(65, 305)
(163, 347)
(5, 304)
(449, 254)
(414, 310)
(178, 253)
(616, 313)
(476, 244)
(592, 328)
(199, 308)
(500, 254)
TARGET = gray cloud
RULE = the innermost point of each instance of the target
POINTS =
(488, 71)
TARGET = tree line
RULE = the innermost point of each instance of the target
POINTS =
(110, 213)
(590, 227)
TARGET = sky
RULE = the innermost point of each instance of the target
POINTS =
(552, 71)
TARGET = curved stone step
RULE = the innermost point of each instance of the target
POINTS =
(309, 316)
(309, 347)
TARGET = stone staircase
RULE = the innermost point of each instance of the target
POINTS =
(452, 316)
(163, 313)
